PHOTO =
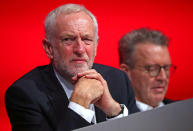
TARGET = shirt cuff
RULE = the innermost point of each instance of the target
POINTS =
(125, 113)
(87, 114)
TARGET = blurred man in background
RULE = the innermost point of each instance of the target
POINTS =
(144, 56)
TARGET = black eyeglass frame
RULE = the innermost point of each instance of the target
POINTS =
(154, 70)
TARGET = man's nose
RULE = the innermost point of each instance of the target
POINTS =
(79, 46)
(162, 75)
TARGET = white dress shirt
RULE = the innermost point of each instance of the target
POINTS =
(87, 114)
(144, 107)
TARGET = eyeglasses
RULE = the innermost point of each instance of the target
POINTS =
(154, 70)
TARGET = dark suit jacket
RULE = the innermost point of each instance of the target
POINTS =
(37, 101)
(167, 101)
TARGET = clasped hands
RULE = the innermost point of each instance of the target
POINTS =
(91, 88)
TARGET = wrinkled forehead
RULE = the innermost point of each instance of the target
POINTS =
(78, 21)
(152, 54)
(74, 23)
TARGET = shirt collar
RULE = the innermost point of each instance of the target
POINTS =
(144, 107)
(67, 86)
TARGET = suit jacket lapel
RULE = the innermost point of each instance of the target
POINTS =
(57, 97)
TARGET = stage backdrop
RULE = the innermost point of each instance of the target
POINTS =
(22, 31)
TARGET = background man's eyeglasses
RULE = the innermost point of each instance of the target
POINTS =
(154, 70)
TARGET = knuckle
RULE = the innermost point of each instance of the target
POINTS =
(89, 96)
(93, 70)
(105, 82)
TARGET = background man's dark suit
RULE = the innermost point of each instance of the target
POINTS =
(167, 101)
(37, 101)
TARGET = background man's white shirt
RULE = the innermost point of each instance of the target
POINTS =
(144, 107)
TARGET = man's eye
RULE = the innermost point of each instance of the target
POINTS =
(65, 39)
(86, 39)
(68, 39)
(152, 68)
(167, 68)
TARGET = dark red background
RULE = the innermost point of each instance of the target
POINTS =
(21, 33)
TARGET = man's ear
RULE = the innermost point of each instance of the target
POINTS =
(48, 48)
(126, 69)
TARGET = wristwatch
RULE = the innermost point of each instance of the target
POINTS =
(121, 112)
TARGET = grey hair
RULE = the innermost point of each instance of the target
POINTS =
(66, 9)
(128, 42)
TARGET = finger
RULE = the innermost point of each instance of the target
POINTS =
(91, 71)
(97, 76)
(93, 76)
(75, 78)
(87, 91)
(79, 75)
